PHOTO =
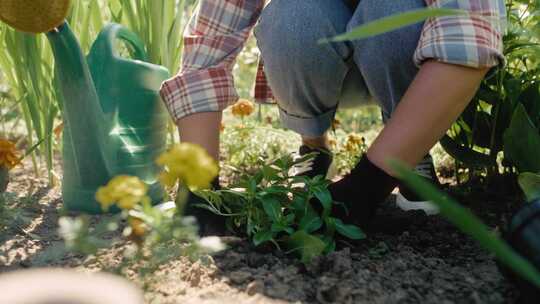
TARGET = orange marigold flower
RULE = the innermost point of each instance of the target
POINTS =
(336, 123)
(221, 127)
(138, 227)
(58, 130)
(8, 154)
(243, 108)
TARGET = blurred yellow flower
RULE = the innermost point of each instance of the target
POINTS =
(189, 164)
(354, 142)
(8, 154)
(243, 108)
(126, 191)
(336, 124)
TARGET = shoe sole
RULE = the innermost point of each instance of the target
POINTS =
(428, 207)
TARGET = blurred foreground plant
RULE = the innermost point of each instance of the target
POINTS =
(159, 233)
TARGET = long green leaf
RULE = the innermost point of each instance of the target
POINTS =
(394, 22)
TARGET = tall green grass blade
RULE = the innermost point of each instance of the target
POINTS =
(468, 223)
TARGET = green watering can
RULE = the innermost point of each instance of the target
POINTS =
(114, 120)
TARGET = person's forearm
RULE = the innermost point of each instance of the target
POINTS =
(438, 95)
(202, 129)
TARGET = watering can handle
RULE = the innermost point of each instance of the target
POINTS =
(113, 32)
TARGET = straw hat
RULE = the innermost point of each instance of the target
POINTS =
(34, 16)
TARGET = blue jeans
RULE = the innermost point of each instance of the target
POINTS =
(310, 80)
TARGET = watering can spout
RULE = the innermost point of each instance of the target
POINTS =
(83, 116)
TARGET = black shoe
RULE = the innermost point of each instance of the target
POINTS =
(210, 224)
(407, 199)
(319, 165)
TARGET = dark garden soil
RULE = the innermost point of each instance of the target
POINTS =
(427, 262)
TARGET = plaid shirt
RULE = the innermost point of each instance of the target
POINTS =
(217, 32)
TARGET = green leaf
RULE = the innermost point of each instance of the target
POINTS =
(307, 246)
(466, 155)
(350, 231)
(270, 173)
(522, 142)
(262, 237)
(324, 196)
(289, 219)
(468, 223)
(530, 184)
(391, 23)
(271, 207)
(310, 222)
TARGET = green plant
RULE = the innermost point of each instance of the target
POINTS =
(27, 65)
(488, 126)
(292, 212)
(160, 233)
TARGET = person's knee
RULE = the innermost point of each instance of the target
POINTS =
(289, 30)
(393, 48)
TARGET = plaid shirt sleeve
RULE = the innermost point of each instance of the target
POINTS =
(214, 37)
(474, 40)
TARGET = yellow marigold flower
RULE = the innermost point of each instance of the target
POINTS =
(332, 142)
(126, 191)
(243, 108)
(8, 154)
(354, 141)
(189, 164)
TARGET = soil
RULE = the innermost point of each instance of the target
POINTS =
(429, 261)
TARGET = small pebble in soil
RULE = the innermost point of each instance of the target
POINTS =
(239, 277)
(255, 287)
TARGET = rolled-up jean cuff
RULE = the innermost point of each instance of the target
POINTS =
(308, 126)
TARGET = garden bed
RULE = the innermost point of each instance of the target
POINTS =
(428, 262)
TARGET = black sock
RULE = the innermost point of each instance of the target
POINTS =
(361, 191)
(210, 224)
(321, 162)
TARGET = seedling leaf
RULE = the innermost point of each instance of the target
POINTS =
(350, 231)
(307, 246)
